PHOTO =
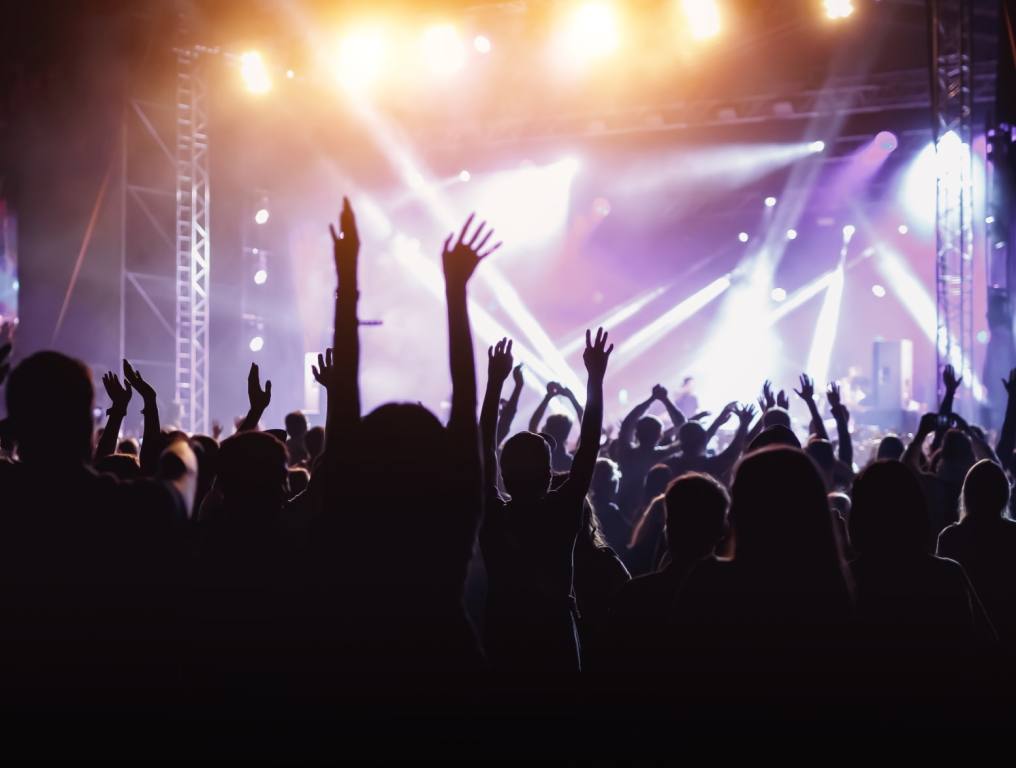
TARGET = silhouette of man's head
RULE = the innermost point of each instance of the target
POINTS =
(985, 491)
(606, 479)
(776, 417)
(693, 438)
(648, 431)
(314, 441)
(821, 452)
(525, 465)
(696, 516)
(656, 481)
(558, 426)
(49, 406)
(957, 453)
(253, 468)
(121, 465)
(891, 447)
(296, 424)
(129, 445)
(775, 435)
(889, 516)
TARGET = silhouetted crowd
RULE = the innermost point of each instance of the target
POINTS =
(478, 587)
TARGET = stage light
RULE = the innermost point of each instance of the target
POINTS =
(482, 44)
(464, 175)
(878, 291)
(816, 147)
(261, 276)
(443, 49)
(290, 74)
(848, 232)
(791, 234)
(828, 322)
(257, 343)
(254, 72)
(261, 216)
(886, 141)
(982, 337)
(702, 18)
(778, 295)
(592, 32)
(361, 58)
(902, 229)
(838, 9)
(770, 201)
(742, 236)
(989, 219)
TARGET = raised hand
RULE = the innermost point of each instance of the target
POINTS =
(345, 244)
(133, 377)
(119, 395)
(949, 378)
(258, 398)
(928, 424)
(566, 392)
(554, 389)
(216, 430)
(699, 416)
(1010, 383)
(517, 375)
(745, 413)
(833, 396)
(782, 400)
(766, 399)
(659, 392)
(461, 259)
(597, 354)
(807, 390)
(500, 361)
(324, 371)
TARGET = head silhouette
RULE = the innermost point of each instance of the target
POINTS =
(890, 447)
(821, 452)
(525, 466)
(656, 481)
(296, 424)
(558, 426)
(774, 436)
(606, 479)
(889, 515)
(985, 491)
(49, 406)
(693, 438)
(957, 454)
(696, 516)
(252, 470)
(122, 465)
(314, 442)
(776, 417)
(648, 431)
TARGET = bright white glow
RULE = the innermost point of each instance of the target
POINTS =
(878, 291)
(848, 232)
(481, 43)
(702, 18)
(443, 49)
(290, 74)
(261, 216)
(464, 175)
(886, 141)
(361, 58)
(982, 337)
(742, 236)
(838, 9)
(778, 295)
(989, 219)
(791, 234)
(591, 32)
(261, 276)
(816, 146)
(770, 201)
(254, 73)
(902, 229)
(611, 319)
(256, 344)
(828, 322)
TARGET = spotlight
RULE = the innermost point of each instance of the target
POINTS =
(886, 141)
(778, 294)
(261, 216)
(592, 32)
(481, 43)
(361, 58)
(902, 229)
(257, 343)
(848, 232)
(464, 175)
(791, 234)
(770, 201)
(982, 337)
(261, 276)
(702, 18)
(878, 291)
(254, 74)
(743, 237)
(443, 49)
(816, 147)
(838, 9)
(989, 219)
(290, 74)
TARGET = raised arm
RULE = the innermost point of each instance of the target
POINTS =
(510, 407)
(258, 399)
(807, 393)
(499, 364)
(344, 385)
(842, 416)
(151, 439)
(720, 420)
(722, 464)
(676, 417)
(627, 431)
(1007, 437)
(570, 397)
(596, 357)
(951, 383)
(120, 397)
(553, 390)
(912, 455)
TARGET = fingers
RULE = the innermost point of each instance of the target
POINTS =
(589, 342)
(347, 219)
(465, 228)
(476, 234)
(335, 236)
(448, 243)
(490, 251)
(509, 349)
(268, 389)
(320, 363)
(328, 357)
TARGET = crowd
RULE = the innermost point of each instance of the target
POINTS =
(405, 570)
